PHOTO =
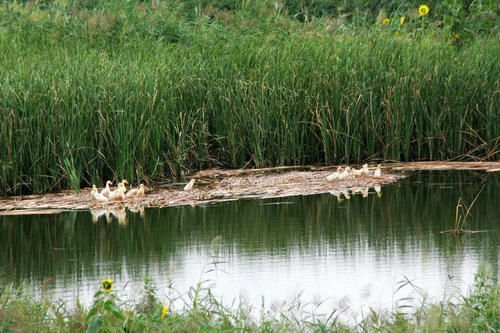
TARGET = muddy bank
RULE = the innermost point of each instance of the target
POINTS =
(213, 186)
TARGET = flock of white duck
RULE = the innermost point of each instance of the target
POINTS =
(119, 194)
(348, 173)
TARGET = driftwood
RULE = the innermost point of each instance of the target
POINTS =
(443, 165)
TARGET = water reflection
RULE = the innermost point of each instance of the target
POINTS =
(347, 192)
(119, 213)
(352, 251)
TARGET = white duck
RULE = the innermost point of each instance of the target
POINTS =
(378, 171)
(357, 172)
(107, 189)
(335, 175)
(118, 194)
(346, 173)
(365, 169)
(122, 185)
(189, 185)
(97, 196)
(136, 192)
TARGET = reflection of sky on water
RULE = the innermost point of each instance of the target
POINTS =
(358, 281)
(354, 252)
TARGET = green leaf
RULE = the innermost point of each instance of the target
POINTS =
(92, 311)
(95, 325)
(110, 307)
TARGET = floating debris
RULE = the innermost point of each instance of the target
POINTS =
(442, 165)
(215, 186)
(31, 212)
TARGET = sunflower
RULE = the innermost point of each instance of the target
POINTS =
(107, 285)
(386, 21)
(164, 310)
(423, 10)
(402, 20)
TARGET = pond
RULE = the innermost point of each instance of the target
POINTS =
(348, 254)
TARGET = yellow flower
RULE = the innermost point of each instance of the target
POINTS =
(402, 20)
(164, 310)
(423, 10)
(107, 285)
(386, 21)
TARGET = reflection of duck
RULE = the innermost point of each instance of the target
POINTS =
(106, 190)
(97, 196)
(120, 214)
(109, 218)
(189, 185)
(96, 214)
(378, 190)
(337, 194)
(139, 210)
(363, 191)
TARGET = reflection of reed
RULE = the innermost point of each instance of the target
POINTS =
(407, 220)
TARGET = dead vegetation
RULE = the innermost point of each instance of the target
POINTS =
(211, 186)
(225, 185)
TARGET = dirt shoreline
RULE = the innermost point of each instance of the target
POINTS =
(214, 186)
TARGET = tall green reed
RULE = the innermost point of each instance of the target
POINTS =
(115, 99)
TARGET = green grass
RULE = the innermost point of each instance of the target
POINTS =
(477, 311)
(148, 92)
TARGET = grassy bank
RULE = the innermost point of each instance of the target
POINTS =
(151, 91)
(478, 311)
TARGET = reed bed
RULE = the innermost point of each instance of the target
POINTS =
(145, 93)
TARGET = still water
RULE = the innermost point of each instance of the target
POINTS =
(349, 254)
